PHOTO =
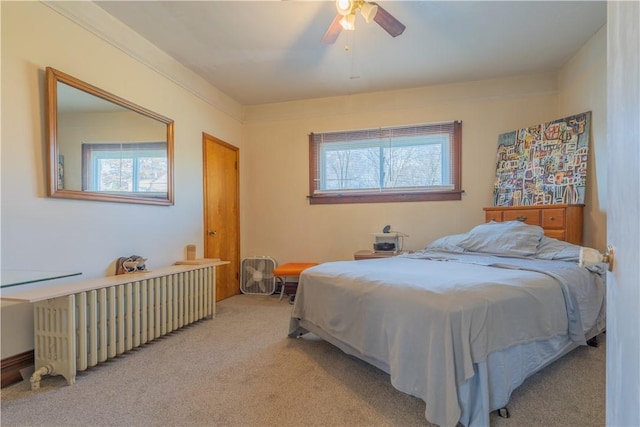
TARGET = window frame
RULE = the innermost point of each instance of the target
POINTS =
(423, 194)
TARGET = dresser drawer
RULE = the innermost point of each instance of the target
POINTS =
(556, 234)
(493, 216)
(562, 222)
(530, 216)
(553, 218)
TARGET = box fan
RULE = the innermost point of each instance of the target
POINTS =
(256, 276)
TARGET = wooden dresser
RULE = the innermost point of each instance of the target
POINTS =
(563, 222)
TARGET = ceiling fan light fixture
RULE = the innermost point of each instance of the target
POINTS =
(368, 11)
(348, 22)
(371, 11)
(344, 7)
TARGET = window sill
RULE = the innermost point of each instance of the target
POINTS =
(431, 196)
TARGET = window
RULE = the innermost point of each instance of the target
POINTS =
(410, 163)
(125, 167)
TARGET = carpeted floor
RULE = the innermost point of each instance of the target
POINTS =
(240, 369)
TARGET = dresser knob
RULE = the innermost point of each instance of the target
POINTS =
(552, 218)
(521, 218)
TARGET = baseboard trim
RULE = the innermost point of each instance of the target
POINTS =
(11, 367)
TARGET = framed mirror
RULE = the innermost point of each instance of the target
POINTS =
(103, 147)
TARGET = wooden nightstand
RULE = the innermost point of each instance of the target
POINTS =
(367, 254)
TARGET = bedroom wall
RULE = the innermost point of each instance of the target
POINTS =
(582, 86)
(276, 219)
(284, 225)
(67, 235)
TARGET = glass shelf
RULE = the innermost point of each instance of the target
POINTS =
(11, 278)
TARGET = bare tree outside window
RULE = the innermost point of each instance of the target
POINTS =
(114, 175)
(412, 163)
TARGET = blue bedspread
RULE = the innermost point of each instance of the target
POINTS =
(428, 317)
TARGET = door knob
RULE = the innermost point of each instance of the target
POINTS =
(609, 257)
(212, 232)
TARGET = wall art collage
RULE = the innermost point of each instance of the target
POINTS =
(544, 164)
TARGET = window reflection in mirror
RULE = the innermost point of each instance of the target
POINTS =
(105, 148)
(127, 166)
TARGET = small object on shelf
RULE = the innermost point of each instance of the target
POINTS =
(384, 247)
(191, 252)
(386, 242)
(130, 264)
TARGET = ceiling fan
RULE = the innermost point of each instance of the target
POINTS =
(346, 17)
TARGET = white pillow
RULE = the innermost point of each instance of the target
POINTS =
(513, 238)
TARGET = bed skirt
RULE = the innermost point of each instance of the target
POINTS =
(494, 380)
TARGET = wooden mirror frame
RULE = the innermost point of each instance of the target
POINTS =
(53, 77)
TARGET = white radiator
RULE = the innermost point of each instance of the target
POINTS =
(77, 331)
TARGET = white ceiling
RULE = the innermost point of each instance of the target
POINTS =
(270, 51)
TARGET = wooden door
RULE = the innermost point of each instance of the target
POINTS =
(222, 212)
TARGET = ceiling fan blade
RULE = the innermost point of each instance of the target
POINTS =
(390, 24)
(333, 31)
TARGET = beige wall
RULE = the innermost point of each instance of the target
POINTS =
(582, 86)
(285, 226)
(64, 235)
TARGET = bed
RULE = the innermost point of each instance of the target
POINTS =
(461, 323)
